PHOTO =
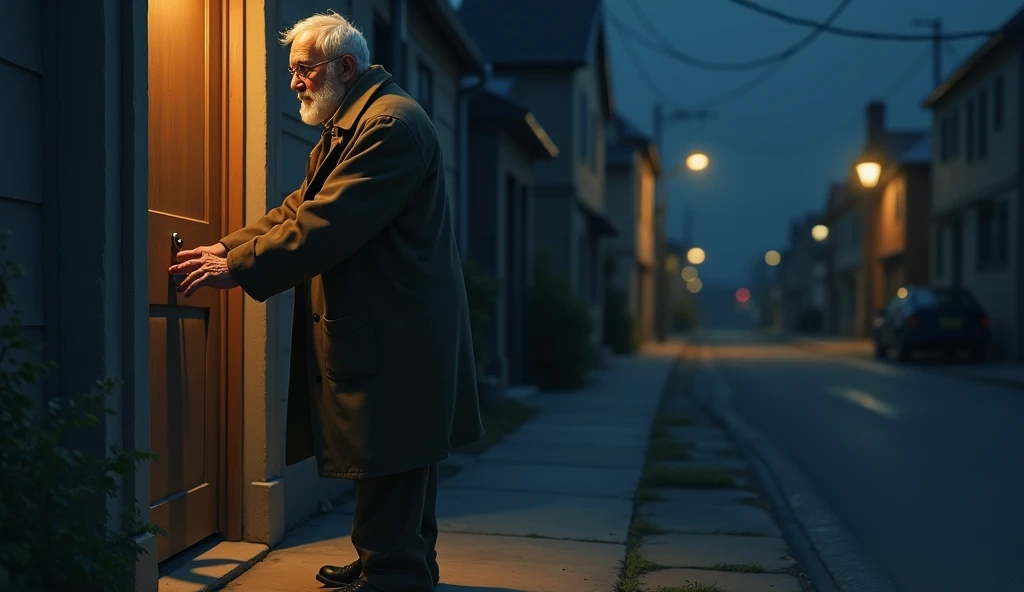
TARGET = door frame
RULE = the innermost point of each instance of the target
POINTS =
(233, 215)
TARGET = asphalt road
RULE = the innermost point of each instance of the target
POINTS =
(925, 472)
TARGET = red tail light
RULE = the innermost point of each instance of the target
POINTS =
(985, 322)
(912, 321)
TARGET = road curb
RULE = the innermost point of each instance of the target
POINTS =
(819, 541)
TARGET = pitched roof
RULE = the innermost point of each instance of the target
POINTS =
(450, 27)
(537, 32)
(1011, 30)
(519, 122)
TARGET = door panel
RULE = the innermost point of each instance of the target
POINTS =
(185, 198)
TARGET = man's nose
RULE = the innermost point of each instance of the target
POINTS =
(297, 84)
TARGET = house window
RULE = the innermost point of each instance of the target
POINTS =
(940, 251)
(998, 105)
(425, 88)
(854, 230)
(1002, 234)
(969, 115)
(983, 124)
(954, 133)
(900, 202)
(992, 235)
(584, 132)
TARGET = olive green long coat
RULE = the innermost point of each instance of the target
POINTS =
(382, 376)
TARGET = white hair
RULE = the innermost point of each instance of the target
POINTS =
(335, 36)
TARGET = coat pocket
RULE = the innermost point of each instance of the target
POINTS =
(350, 347)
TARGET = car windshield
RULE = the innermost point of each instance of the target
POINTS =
(943, 297)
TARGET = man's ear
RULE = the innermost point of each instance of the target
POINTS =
(348, 71)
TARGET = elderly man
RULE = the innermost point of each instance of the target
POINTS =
(383, 382)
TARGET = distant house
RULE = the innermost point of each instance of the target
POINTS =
(851, 214)
(632, 169)
(505, 141)
(977, 184)
(801, 278)
(552, 58)
(902, 223)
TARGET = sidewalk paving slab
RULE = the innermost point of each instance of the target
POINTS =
(567, 480)
(523, 513)
(730, 581)
(706, 551)
(581, 455)
(712, 512)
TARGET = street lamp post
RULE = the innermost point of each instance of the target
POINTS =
(661, 279)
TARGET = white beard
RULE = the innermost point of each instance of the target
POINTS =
(323, 104)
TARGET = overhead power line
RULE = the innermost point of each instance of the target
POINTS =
(844, 123)
(857, 33)
(663, 45)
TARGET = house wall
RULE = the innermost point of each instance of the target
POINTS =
(79, 214)
(645, 214)
(917, 247)
(892, 218)
(588, 147)
(957, 181)
(961, 186)
(621, 196)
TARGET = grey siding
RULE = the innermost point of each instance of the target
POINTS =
(21, 154)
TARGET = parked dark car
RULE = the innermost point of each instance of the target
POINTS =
(924, 318)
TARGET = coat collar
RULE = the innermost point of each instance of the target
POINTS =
(358, 98)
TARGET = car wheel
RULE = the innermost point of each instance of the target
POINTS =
(902, 352)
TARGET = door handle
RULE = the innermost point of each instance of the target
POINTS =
(177, 243)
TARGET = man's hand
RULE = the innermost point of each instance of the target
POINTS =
(205, 266)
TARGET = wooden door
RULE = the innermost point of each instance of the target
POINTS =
(185, 210)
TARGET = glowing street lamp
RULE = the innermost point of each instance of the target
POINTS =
(689, 273)
(697, 161)
(772, 258)
(695, 255)
(694, 285)
(819, 232)
(869, 169)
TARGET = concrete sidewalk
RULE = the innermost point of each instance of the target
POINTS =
(547, 509)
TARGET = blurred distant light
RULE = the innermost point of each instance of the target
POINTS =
(695, 255)
(698, 161)
(742, 295)
(689, 273)
(902, 292)
(869, 173)
(819, 232)
(772, 258)
(694, 285)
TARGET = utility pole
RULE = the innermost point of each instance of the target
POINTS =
(935, 24)
(661, 279)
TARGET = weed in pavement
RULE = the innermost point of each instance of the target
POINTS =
(738, 567)
(500, 421)
(669, 450)
(642, 526)
(692, 587)
(646, 495)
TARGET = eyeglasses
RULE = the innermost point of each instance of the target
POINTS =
(304, 70)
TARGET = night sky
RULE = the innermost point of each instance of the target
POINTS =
(775, 148)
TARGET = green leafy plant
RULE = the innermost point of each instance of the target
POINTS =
(483, 291)
(561, 349)
(54, 523)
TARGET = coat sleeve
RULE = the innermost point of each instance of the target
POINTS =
(285, 211)
(363, 194)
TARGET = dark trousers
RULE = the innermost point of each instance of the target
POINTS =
(394, 530)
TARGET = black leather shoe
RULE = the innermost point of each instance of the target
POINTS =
(335, 577)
